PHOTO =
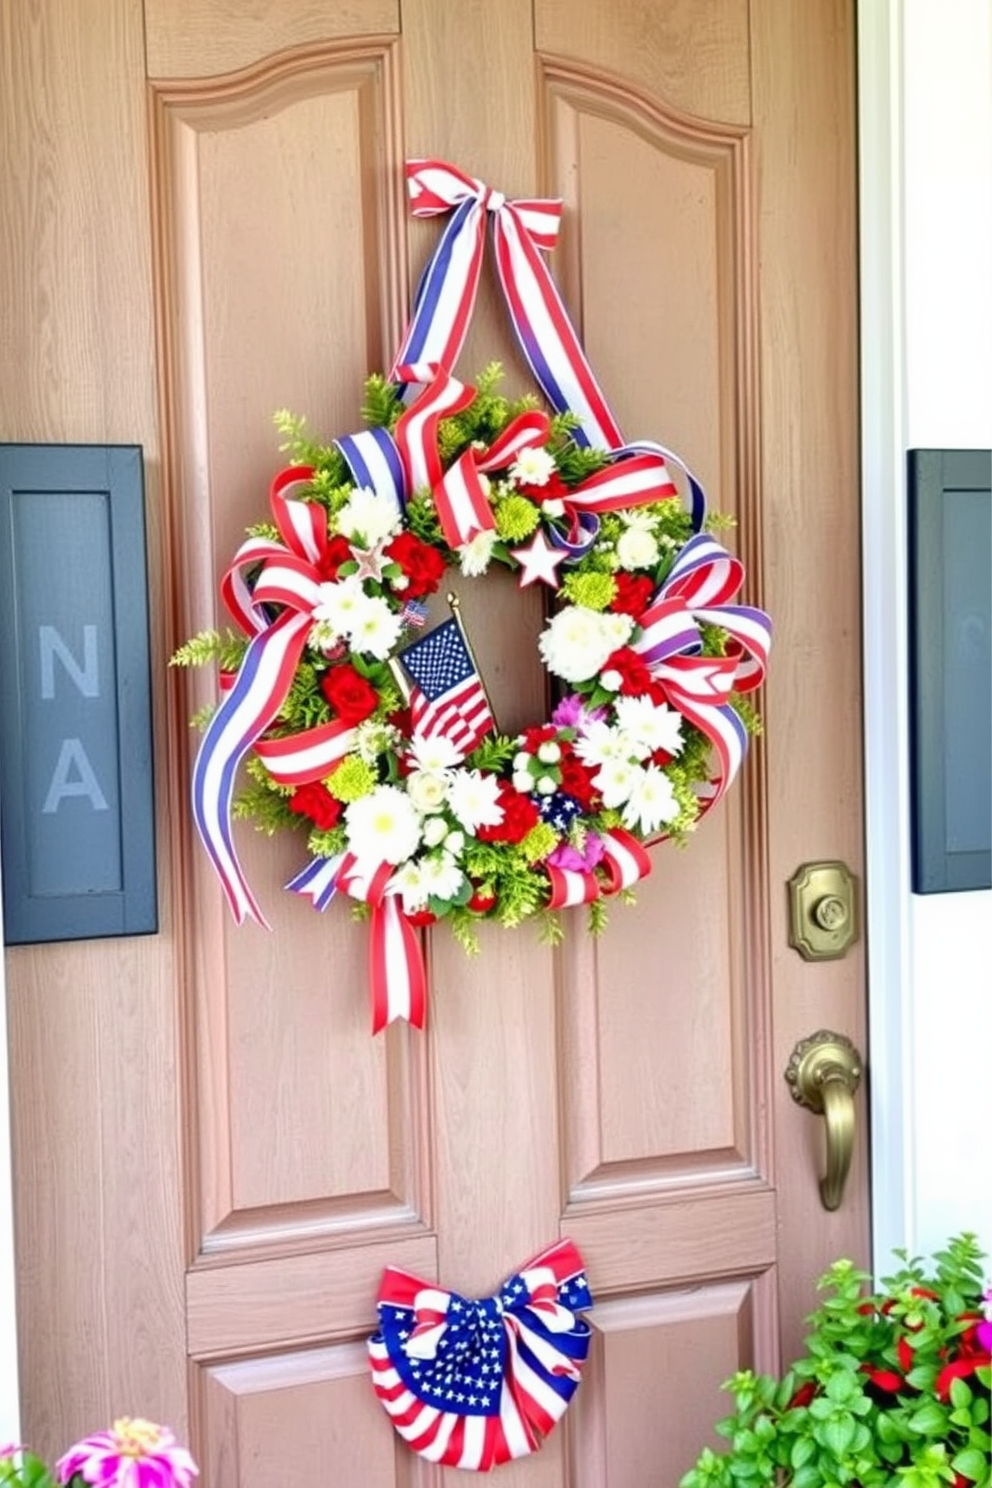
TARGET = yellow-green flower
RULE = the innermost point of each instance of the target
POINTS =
(540, 841)
(516, 518)
(594, 591)
(352, 779)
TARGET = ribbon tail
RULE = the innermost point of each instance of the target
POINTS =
(245, 712)
(546, 334)
(397, 975)
(445, 297)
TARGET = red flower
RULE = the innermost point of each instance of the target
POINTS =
(576, 781)
(635, 678)
(633, 594)
(959, 1369)
(554, 489)
(885, 1379)
(316, 802)
(532, 738)
(422, 565)
(422, 917)
(803, 1395)
(338, 551)
(351, 696)
(482, 900)
(519, 816)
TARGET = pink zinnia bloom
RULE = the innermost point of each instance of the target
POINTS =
(578, 860)
(571, 712)
(133, 1454)
(984, 1329)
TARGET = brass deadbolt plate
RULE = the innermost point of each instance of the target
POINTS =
(822, 911)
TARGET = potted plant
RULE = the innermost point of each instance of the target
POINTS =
(893, 1390)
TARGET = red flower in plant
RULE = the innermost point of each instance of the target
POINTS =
(421, 917)
(338, 551)
(520, 815)
(316, 802)
(803, 1395)
(422, 565)
(351, 695)
(635, 678)
(885, 1379)
(957, 1369)
(634, 591)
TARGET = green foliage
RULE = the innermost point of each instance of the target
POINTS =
(226, 648)
(24, 1469)
(383, 404)
(850, 1412)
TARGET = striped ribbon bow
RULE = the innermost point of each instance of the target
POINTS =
(287, 581)
(703, 578)
(474, 1383)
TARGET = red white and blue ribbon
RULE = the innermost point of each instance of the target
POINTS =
(397, 975)
(474, 1383)
(703, 578)
(442, 311)
(625, 861)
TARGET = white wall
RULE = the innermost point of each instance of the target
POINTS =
(926, 119)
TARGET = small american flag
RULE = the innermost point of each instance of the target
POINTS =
(448, 698)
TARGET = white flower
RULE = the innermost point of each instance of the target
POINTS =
(434, 754)
(654, 725)
(600, 742)
(616, 628)
(409, 881)
(368, 518)
(611, 679)
(435, 831)
(375, 628)
(553, 507)
(546, 786)
(373, 738)
(441, 876)
(521, 761)
(532, 467)
(549, 753)
(637, 548)
(523, 782)
(474, 556)
(339, 604)
(383, 826)
(428, 791)
(616, 778)
(576, 642)
(651, 802)
(474, 800)
(454, 844)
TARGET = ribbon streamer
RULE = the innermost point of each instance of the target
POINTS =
(703, 578)
(474, 1383)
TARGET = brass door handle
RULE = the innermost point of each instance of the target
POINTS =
(823, 1074)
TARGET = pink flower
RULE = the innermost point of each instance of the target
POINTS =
(984, 1329)
(566, 856)
(133, 1454)
(571, 712)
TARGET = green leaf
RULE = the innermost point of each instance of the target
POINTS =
(838, 1434)
(929, 1419)
(960, 1394)
(971, 1464)
(802, 1450)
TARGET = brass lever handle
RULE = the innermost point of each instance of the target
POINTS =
(823, 1074)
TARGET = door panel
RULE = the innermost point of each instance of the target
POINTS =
(627, 1092)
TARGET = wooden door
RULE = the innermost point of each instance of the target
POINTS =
(208, 1212)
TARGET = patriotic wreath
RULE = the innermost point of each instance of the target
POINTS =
(382, 745)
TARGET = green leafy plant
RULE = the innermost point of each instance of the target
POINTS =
(893, 1391)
